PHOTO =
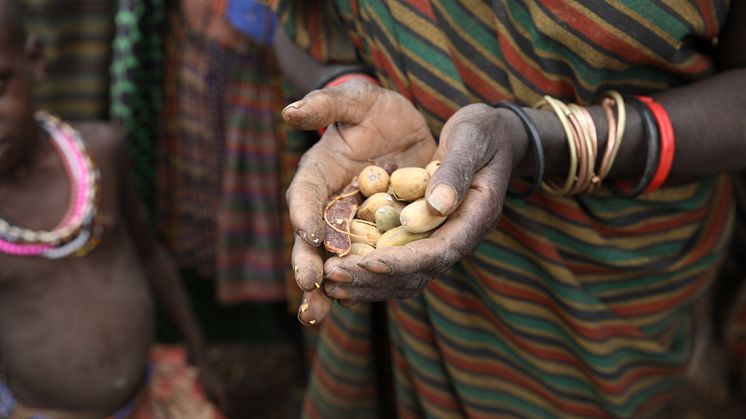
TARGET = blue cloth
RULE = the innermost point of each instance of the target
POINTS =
(253, 18)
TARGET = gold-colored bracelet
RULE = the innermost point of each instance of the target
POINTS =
(613, 98)
(557, 107)
(592, 137)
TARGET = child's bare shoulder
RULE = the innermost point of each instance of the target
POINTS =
(104, 138)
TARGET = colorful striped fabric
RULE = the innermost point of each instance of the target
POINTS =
(219, 165)
(78, 37)
(574, 307)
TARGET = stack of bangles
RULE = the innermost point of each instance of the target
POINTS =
(588, 167)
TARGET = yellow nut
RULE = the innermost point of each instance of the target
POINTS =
(432, 167)
(373, 179)
(364, 232)
(367, 210)
(409, 183)
(361, 249)
(418, 218)
(398, 236)
(387, 218)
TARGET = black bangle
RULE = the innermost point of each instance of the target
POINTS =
(533, 135)
(651, 160)
(341, 71)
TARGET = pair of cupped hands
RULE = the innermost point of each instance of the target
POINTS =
(479, 147)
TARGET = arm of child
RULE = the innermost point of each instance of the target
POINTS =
(162, 274)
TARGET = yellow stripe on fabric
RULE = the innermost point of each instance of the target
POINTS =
(686, 11)
(469, 322)
(472, 321)
(427, 31)
(530, 95)
(557, 33)
(645, 22)
(616, 32)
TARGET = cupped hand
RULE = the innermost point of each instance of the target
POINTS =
(479, 149)
(365, 124)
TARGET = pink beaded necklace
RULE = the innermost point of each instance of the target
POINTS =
(74, 231)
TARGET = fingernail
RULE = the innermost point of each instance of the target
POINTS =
(375, 266)
(330, 293)
(442, 198)
(340, 275)
(314, 239)
(295, 105)
(300, 320)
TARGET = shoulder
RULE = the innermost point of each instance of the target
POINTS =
(104, 139)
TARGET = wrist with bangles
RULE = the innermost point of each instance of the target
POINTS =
(591, 157)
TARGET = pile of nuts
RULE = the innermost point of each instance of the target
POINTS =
(393, 213)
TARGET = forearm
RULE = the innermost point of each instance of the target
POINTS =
(707, 125)
(171, 296)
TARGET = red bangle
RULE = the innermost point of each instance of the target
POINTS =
(667, 143)
(347, 77)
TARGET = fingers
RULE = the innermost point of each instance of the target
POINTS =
(314, 308)
(319, 174)
(353, 295)
(308, 266)
(348, 102)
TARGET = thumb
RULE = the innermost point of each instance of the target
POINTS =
(464, 154)
(348, 102)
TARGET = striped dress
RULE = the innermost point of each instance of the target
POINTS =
(219, 165)
(573, 307)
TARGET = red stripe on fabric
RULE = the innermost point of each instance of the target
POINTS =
(569, 211)
(344, 342)
(716, 220)
(477, 81)
(545, 250)
(340, 390)
(423, 6)
(426, 100)
(380, 60)
(546, 354)
(711, 24)
(520, 380)
(568, 15)
(532, 75)
(667, 302)
(316, 33)
(540, 298)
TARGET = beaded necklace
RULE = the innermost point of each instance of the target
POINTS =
(80, 229)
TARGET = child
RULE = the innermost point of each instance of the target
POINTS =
(78, 263)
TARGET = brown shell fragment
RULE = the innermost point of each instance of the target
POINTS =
(338, 216)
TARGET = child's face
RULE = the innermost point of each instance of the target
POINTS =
(19, 67)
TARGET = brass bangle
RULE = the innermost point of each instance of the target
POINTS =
(592, 137)
(605, 166)
(556, 106)
(621, 120)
